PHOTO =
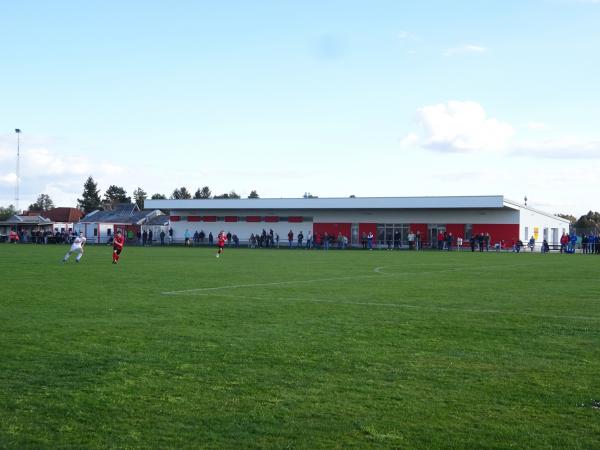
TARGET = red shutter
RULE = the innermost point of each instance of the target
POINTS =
(272, 219)
(253, 218)
(174, 218)
(194, 218)
(295, 219)
(231, 218)
(210, 218)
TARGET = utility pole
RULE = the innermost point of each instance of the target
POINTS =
(18, 131)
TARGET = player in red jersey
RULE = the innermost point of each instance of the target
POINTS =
(221, 242)
(118, 243)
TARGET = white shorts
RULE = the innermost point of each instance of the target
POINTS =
(76, 248)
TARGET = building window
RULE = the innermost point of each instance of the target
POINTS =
(394, 233)
(468, 231)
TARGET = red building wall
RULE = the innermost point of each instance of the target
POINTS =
(332, 229)
(422, 229)
(365, 228)
(509, 233)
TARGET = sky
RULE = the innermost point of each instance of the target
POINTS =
(332, 98)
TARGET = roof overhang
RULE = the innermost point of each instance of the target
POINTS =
(382, 203)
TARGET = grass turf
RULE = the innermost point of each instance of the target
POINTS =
(301, 349)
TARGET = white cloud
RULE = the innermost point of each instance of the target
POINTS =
(460, 127)
(464, 127)
(537, 126)
(565, 148)
(409, 139)
(407, 35)
(8, 179)
(465, 50)
(61, 175)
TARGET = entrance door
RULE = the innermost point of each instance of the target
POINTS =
(434, 230)
(555, 236)
(354, 238)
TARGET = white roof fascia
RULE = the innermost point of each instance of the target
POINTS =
(457, 202)
(518, 206)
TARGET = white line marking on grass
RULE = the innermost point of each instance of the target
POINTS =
(377, 270)
(274, 283)
(401, 305)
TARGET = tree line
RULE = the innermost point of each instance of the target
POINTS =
(91, 199)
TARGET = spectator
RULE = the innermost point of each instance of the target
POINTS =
(290, 238)
(300, 238)
(411, 240)
(531, 243)
(162, 237)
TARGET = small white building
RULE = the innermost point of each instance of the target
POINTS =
(100, 226)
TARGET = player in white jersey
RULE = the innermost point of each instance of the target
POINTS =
(76, 247)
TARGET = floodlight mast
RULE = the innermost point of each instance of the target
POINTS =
(18, 131)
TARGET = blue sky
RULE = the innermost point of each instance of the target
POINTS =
(381, 98)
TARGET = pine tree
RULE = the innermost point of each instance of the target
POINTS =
(203, 193)
(139, 196)
(181, 194)
(90, 198)
(253, 194)
(158, 197)
(116, 194)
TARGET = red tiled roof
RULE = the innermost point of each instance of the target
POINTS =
(65, 215)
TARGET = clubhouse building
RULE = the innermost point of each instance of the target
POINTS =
(463, 216)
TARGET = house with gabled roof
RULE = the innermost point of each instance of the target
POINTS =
(99, 226)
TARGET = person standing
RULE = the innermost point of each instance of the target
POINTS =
(370, 240)
(150, 237)
(300, 238)
(449, 240)
(411, 240)
(308, 240)
(290, 238)
(162, 237)
(118, 243)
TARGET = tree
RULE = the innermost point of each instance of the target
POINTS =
(228, 195)
(569, 217)
(139, 195)
(309, 195)
(590, 221)
(90, 199)
(158, 197)
(181, 194)
(43, 203)
(116, 194)
(253, 194)
(6, 213)
(203, 193)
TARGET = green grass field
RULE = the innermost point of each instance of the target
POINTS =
(173, 348)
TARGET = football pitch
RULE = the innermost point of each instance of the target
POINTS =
(174, 348)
